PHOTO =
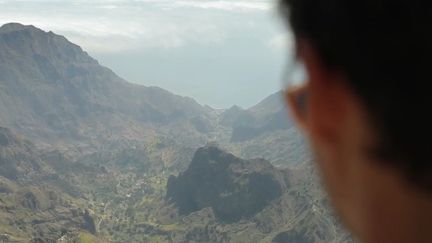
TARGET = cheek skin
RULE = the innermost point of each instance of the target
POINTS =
(337, 185)
(341, 160)
(332, 175)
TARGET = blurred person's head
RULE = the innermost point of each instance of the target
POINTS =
(366, 110)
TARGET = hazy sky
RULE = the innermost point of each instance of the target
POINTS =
(221, 53)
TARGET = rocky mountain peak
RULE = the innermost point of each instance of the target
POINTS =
(26, 41)
(11, 27)
(234, 188)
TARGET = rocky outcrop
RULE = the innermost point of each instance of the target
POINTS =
(30, 201)
(234, 188)
(89, 223)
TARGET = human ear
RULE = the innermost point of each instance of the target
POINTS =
(328, 97)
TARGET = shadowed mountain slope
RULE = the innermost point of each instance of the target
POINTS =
(234, 188)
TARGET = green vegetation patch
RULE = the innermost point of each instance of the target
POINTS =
(85, 237)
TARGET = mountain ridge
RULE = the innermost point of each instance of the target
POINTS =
(51, 83)
(15, 26)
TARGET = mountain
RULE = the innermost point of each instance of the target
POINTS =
(264, 131)
(222, 198)
(51, 90)
(267, 116)
(235, 189)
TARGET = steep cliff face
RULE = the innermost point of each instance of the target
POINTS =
(234, 188)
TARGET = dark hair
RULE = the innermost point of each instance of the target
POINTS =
(384, 47)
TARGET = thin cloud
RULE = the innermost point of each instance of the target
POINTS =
(111, 26)
(242, 6)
